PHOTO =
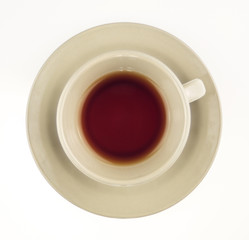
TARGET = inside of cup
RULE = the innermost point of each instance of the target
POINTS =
(75, 144)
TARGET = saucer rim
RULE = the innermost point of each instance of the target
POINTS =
(65, 194)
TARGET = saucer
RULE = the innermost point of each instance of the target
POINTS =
(128, 201)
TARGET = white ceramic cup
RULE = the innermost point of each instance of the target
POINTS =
(175, 96)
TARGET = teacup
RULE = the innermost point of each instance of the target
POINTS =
(124, 167)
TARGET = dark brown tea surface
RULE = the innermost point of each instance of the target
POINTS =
(123, 117)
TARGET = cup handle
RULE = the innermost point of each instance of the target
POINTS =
(194, 89)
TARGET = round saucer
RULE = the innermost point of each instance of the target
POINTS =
(113, 201)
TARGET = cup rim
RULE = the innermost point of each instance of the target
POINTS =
(111, 181)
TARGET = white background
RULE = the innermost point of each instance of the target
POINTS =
(218, 31)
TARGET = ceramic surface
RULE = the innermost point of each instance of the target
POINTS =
(113, 201)
(174, 95)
